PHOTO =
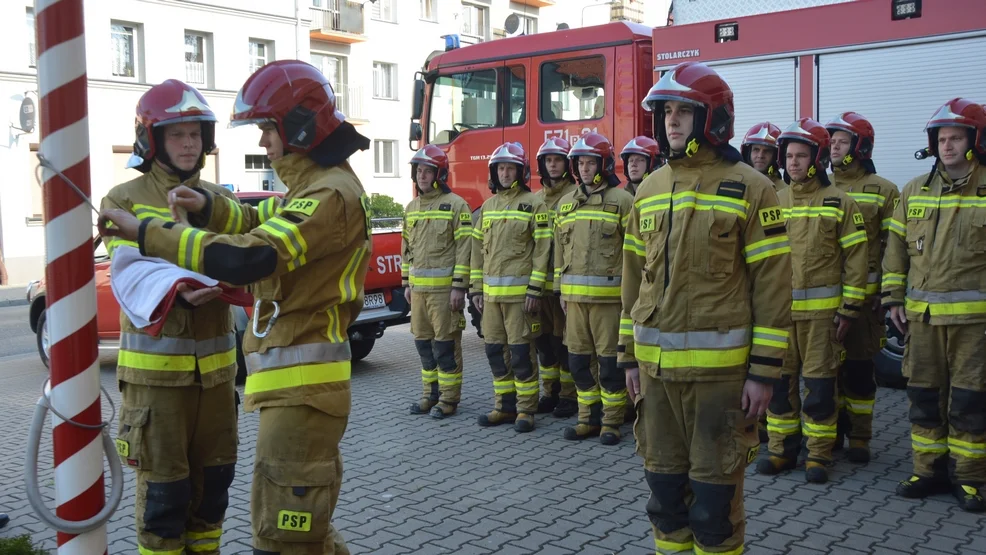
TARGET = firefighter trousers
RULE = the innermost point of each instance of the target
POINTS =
(946, 371)
(182, 443)
(593, 329)
(296, 481)
(857, 376)
(814, 354)
(556, 378)
(506, 327)
(696, 443)
(437, 332)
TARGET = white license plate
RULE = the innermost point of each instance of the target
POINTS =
(374, 300)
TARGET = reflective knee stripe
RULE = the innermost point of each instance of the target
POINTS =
(783, 426)
(737, 551)
(818, 430)
(429, 376)
(589, 397)
(665, 547)
(550, 372)
(858, 406)
(297, 366)
(503, 387)
(614, 399)
(591, 286)
(449, 378)
(505, 285)
(925, 445)
(526, 389)
(816, 298)
(147, 551)
(967, 449)
(951, 303)
(434, 277)
(203, 541)
(566, 377)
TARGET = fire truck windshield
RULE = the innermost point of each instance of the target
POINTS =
(460, 102)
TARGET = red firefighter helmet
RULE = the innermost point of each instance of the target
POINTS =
(433, 157)
(644, 146)
(960, 112)
(813, 134)
(593, 144)
(512, 153)
(697, 84)
(293, 95)
(551, 145)
(763, 134)
(861, 131)
(169, 102)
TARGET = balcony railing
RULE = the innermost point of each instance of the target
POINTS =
(195, 72)
(350, 100)
(339, 16)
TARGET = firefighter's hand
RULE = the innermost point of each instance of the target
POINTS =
(407, 295)
(457, 300)
(183, 197)
(198, 297)
(633, 383)
(877, 304)
(899, 318)
(843, 324)
(124, 224)
(564, 307)
(756, 397)
(477, 302)
(532, 305)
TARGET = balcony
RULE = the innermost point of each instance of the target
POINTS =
(351, 101)
(195, 73)
(341, 22)
(535, 3)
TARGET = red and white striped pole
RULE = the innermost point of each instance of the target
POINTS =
(71, 293)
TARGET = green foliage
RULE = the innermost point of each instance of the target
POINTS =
(384, 206)
(20, 545)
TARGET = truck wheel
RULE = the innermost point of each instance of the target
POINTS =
(241, 370)
(889, 361)
(477, 319)
(44, 347)
(362, 348)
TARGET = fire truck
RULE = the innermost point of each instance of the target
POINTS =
(894, 61)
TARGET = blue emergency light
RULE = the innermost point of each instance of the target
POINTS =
(451, 42)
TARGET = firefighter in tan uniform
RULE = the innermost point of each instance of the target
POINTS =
(307, 264)
(178, 420)
(508, 271)
(436, 247)
(934, 283)
(588, 266)
(853, 173)
(829, 261)
(706, 283)
(558, 395)
(759, 150)
(641, 157)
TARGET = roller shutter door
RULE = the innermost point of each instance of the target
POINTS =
(762, 91)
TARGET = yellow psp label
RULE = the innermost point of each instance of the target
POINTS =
(916, 212)
(542, 217)
(647, 224)
(857, 218)
(304, 206)
(122, 448)
(771, 216)
(294, 521)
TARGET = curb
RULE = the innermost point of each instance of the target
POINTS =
(4, 303)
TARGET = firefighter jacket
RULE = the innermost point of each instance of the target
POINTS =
(828, 251)
(706, 274)
(197, 340)
(777, 181)
(307, 263)
(589, 234)
(876, 198)
(631, 188)
(935, 263)
(512, 240)
(436, 242)
(551, 196)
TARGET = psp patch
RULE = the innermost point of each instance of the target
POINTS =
(294, 521)
(567, 207)
(915, 213)
(541, 219)
(857, 219)
(465, 217)
(771, 216)
(304, 206)
(647, 224)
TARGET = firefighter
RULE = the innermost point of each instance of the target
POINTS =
(853, 173)
(933, 284)
(829, 258)
(306, 264)
(436, 247)
(641, 157)
(178, 420)
(760, 151)
(558, 396)
(508, 272)
(588, 263)
(705, 315)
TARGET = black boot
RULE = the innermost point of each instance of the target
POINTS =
(566, 408)
(919, 487)
(969, 497)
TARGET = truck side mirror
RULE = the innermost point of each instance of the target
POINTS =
(417, 107)
(414, 135)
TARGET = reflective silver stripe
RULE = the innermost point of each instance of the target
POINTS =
(646, 336)
(290, 232)
(309, 353)
(595, 281)
(816, 293)
(431, 272)
(765, 248)
(873, 277)
(158, 345)
(683, 341)
(945, 296)
(220, 344)
(505, 280)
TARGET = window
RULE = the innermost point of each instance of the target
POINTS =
(32, 49)
(385, 158)
(332, 67)
(529, 25)
(517, 96)
(384, 10)
(35, 214)
(196, 56)
(429, 11)
(124, 37)
(475, 20)
(572, 90)
(256, 162)
(460, 102)
(384, 80)
(260, 54)
(258, 169)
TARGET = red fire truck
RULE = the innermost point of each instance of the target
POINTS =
(895, 61)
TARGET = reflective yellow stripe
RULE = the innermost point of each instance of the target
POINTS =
(550, 372)
(947, 201)
(508, 215)
(591, 290)
(967, 449)
(818, 430)
(772, 246)
(859, 406)
(504, 290)
(703, 358)
(647, 353)
(430, 282)
(771, 337)
(266, 209)
(542, 234)
(737, 551)
(462, 233)
(946, 309)
(475, 274)
(853, 292)
(197, 547)
(291, 237)
(783, 426)
(898, 228)
(147, 551)
(925, 445)
(634, 245)
(588, 215)
(423, 215)
(589, 397)
(209, 534)
(449, 378)
(869, 198)
(217, 361)
(234, 220)
(566, 377)
(146, 211)
(478, 233)
(526, 389)
(814, 212)
(429, 376)
(665, 547)
(347, 282)
(854, 238)
(188, 249)
(503, 387)
(891, 280)
(203, 541)
(626, 327)
(816, 304)
(164, 363)
(298, 376)
(614, 399)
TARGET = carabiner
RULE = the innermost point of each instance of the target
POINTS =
(270, 322)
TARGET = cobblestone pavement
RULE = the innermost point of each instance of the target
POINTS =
(416, 485)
